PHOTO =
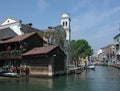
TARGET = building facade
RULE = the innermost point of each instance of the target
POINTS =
(107, 53)
(117, 47)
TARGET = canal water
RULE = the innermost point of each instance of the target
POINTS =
(100, 79)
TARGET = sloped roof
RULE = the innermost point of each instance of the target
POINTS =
(116, 36)
(17, 20)
(40, 50)
(55, 28)
(7, 33)
(18, 38)
(26, 28)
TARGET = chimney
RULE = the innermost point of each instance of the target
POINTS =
(49, 27)
(29, 24)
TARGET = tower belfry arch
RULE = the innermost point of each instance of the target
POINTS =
(65, 22)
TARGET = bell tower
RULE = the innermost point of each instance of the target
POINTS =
(65, 22)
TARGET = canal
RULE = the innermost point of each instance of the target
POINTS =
(100, 79)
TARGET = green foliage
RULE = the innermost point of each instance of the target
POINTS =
(55, 37)
(80, 48)
(41, 33)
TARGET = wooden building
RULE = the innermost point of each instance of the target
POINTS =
(28, 50)
(11, 50)
(46, 61)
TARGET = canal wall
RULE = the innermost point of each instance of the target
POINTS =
(114, 65)
(110, 64)
(76, 70)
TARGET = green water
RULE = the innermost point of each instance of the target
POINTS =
(101, 79)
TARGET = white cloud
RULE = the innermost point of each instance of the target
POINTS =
(42, 4)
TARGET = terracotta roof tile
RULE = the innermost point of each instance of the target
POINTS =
(40, 50)
(18, 38)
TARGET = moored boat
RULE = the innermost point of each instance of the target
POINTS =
(91, 66)
(8, 74)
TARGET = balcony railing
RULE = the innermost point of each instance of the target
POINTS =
(13, 54)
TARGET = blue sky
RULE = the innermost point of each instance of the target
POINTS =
(97, 21)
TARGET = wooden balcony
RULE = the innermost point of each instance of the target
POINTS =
(13, 54)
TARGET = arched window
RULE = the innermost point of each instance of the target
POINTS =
(63, 24)
(66, 23)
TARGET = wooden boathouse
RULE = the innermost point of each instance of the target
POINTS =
(28, 50)
(46, 61)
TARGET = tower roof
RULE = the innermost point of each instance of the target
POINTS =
(65, 15)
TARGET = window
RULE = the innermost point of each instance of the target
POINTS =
(63, 23)
(117, 40)
(66, 23)
(117, 47)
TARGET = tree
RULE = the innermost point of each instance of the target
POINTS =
(79, 48)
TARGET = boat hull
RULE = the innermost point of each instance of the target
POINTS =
(91, 66)
(8, 74)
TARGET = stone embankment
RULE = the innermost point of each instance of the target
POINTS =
(114, 65)
(76, 70)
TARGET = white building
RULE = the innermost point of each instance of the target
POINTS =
(106, 53)
(11, 27)
(13, 24)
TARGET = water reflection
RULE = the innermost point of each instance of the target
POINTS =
(39, 82)
(101, 79)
